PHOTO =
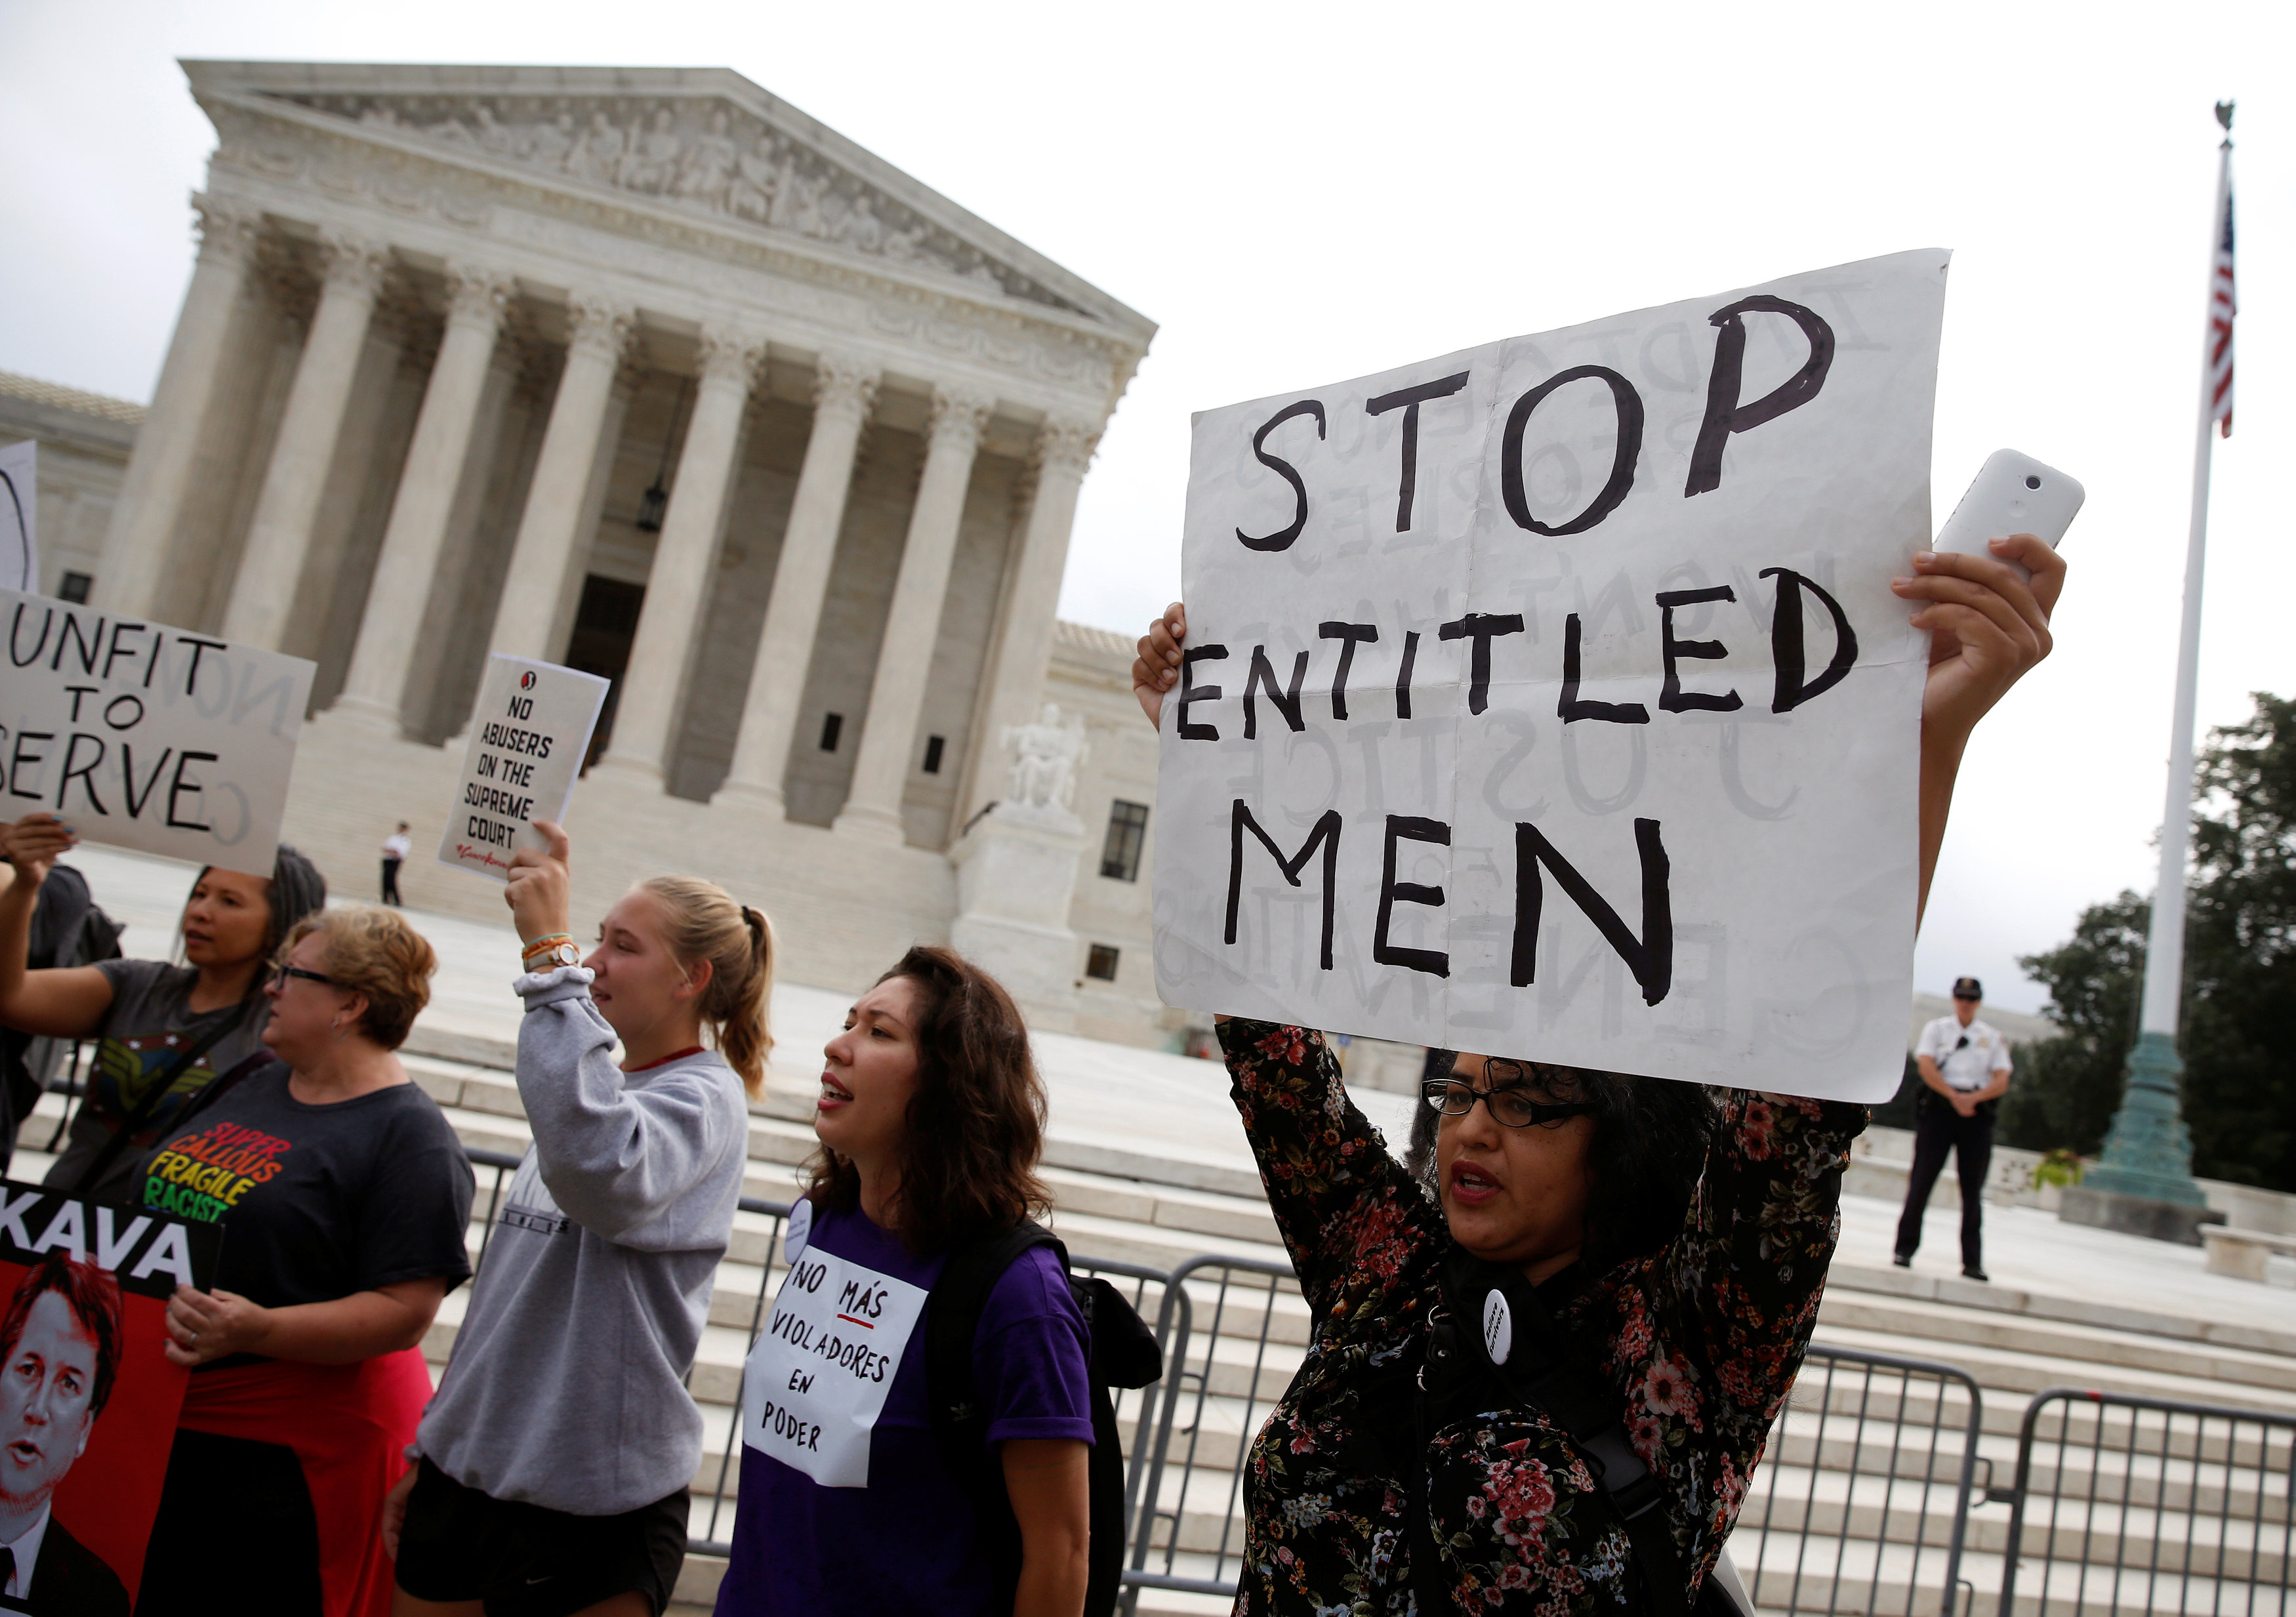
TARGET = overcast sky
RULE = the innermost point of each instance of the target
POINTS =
(1303, 194)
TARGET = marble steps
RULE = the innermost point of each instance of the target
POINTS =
(1843, 1310)
(2010, 1376)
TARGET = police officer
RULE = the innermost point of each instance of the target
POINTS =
(1964, 1067)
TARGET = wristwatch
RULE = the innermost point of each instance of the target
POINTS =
(552, 957)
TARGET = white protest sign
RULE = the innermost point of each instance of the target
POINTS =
(19, 515)
(1549, 699)
(147, 736)
(816, 1380)
(530, 731)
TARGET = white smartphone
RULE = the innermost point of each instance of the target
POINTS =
(2012, 493)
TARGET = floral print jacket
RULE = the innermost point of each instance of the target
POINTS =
(1703, 1339)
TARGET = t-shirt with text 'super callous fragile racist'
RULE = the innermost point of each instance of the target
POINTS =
(845, 1503)
(318, 1202)
(145, 1032)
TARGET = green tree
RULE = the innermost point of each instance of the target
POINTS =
(2238, 1022)
(2065, 1089)
(2239, 1033)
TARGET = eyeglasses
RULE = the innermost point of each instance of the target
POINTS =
(280, 973)
(1508, 1103)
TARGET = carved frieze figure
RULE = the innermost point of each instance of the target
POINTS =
(548, 144)
(1045, 757)
(598, 154)
(709, 165)
(493, 135)
(804, 191)
(651, 162)
(749, 193)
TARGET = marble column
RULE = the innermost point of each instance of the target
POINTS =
(150, 501)
(570, 444)
(1023, 647)
(873, 804)
(645, 716)
(375, 686)
(843, 390)
(271, 563)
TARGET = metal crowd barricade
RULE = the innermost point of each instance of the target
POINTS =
(1234, 1301)
(502, 1163)
(1844, 1514)
(2148, 1505)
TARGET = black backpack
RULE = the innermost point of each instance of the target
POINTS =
(1123, 1353)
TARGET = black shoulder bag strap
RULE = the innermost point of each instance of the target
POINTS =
(960, 1420)
(155, 1092)
(1542, 1371)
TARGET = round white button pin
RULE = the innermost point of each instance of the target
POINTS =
(1498, 1327)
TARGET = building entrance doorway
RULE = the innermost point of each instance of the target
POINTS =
(604, 624)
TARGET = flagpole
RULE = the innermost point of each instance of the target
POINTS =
(2145, 1184)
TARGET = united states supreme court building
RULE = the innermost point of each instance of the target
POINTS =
(645, 372)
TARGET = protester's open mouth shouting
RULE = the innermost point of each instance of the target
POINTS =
(1471, 1187)
(833, 1094)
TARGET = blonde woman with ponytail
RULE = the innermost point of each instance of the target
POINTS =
(555, 1457)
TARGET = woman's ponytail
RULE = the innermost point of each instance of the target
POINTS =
(703, 922)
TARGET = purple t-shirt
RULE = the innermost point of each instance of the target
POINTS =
(907, 1542)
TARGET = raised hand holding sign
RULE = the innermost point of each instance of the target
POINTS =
(530, 731)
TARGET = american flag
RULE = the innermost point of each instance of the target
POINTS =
(2220, 314)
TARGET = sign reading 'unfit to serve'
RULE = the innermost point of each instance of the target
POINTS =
(530, 731)
(1549, 699)
(147, 736)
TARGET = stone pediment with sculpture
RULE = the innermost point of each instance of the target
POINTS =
(710, 156)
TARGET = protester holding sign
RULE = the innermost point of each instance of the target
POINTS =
(343, 1197)
(164, 1031)
(556, 1459)
(931, 1121)
(1502, 1388)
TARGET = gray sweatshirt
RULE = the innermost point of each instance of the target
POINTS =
(566, 1388)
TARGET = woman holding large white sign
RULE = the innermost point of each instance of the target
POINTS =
(1543, 1390)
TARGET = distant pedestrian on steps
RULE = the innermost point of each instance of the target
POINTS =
(395, 850)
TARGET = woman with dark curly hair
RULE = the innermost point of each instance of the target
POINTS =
(1546, 1389)
(930, 1121)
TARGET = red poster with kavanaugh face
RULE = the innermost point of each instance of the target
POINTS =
(88, 1401)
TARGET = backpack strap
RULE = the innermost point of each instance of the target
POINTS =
(960, 1420)
(156, 1091)
(952, 1319)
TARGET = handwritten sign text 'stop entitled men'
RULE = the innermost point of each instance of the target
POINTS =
(530, 733)
(1549, 700)
(147, 736)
